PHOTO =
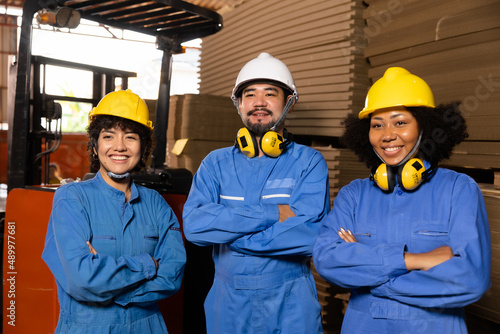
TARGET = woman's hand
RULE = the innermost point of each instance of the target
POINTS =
(425, 261)
(92, 249)
(347, 236)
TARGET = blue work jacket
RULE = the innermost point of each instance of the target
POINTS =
(447, 210)
(116, 290)
(262, 283)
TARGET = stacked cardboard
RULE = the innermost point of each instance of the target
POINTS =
(320, 41)
(333, 300)
(453, 45)
(197, 125)
(343, 167)
(476, 154)
(489, 305)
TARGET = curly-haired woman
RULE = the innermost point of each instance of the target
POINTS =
(412, 241)
(115, 248)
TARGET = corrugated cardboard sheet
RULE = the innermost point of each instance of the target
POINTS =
(201, 123)
(337, 48)
(320, 41)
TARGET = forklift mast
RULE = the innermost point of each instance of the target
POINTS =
(171, 22)
(29, 290)
(44, 139)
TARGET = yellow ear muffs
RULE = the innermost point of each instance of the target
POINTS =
(411, 174)
(383, 178)
(272, 144)
(247, 143)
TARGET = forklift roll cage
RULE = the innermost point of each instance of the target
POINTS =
(171, 22)
(28, 207)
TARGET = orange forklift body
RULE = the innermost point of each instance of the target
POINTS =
(30, 302)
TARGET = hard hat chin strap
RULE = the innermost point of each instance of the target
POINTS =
(118, 176)
(408, 156)
(289, 104)
(237, 104)
(115, 176)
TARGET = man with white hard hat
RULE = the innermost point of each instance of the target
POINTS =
(260, 204)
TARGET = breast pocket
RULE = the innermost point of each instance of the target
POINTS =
(278, 191)
(104, 244)
(151, 237)
(427, 236)
(366, 235)
(365, 229)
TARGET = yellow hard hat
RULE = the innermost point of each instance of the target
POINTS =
(125, 104)
(397, 87)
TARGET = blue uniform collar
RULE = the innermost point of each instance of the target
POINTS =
(113, 192)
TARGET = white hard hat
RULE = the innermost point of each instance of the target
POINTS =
(266, 68)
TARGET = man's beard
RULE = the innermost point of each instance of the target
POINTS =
(259, 129)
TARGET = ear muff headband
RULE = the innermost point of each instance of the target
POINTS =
(410, 175)
(271, 143)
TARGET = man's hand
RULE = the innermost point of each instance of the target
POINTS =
(92, 249)
(425, 261)
(285, 212)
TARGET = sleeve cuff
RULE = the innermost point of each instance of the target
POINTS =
(148, 265)
(395, 260)
(269, 215)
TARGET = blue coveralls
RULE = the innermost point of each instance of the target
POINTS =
(387, 298)
(116, 290)
(263, 282)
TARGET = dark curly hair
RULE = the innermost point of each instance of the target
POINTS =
(101, 122)
(442, 128)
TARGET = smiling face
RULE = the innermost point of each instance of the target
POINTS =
(393, 134)
(118, 151)
(260, 106)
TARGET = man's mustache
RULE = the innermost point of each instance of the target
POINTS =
(253, 111)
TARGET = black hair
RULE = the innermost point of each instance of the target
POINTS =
(286, 90)
(442, 129)
(101, 122)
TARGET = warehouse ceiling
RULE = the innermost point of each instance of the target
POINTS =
(157, 18)
(215, 5)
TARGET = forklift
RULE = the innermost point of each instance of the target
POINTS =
(29, 290)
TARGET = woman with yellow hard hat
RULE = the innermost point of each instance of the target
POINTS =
(411, 241)
(115, 248)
